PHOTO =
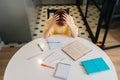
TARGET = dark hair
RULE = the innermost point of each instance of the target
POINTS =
(60, 12)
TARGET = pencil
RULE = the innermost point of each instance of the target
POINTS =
(51, 67)
(40, 47)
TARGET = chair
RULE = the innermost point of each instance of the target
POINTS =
(49, 11)
(108, 9)
(117, 11)
(106, 15)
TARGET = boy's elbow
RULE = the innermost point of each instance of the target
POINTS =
(45, 37)
(74, 36)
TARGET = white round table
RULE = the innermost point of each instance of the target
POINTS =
(25, 64)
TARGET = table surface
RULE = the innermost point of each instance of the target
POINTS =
(25, 64)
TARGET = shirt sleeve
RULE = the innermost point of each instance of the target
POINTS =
(47, 26)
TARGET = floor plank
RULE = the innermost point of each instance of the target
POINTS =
(5, 56)
(114, 54)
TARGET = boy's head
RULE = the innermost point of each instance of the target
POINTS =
(60, 12)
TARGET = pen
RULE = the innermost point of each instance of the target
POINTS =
(53, 42)
(40, 47)
(29, 58)
(48, 56)
(48, 66)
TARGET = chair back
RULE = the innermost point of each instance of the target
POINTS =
(52, 11)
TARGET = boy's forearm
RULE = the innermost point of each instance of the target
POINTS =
(47, 32)
(74, 33)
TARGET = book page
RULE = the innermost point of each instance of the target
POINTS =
(76, 49)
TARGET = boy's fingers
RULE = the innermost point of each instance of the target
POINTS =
(57, 19)
(56, 15)
(64, 21)
(64, 18)
(64, 15)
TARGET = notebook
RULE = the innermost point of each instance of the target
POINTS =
(76, 49)
(53, 44)
(95, 65)
(62, 71)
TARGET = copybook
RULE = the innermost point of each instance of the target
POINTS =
(76, 49)
(95, 65)
(62, 71)
(53, 44)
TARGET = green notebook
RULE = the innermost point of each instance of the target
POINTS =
(95, 65)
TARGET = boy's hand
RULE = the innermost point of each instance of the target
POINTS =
(55, 18)
(66, 18)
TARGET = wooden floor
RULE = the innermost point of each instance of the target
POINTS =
(5, 56)
(114, 54)
(7, 53)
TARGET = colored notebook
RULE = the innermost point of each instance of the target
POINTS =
(53, 44)
(95, 65)
(76, 49)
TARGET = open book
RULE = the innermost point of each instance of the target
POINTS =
(76, 49)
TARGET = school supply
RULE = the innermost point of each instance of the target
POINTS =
(54, 44)
(62, 71)
(95, 65)
(76, 49)
(45, 65)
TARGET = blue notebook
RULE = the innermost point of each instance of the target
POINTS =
(95, 65)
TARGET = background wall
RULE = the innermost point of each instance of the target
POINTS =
(49, 2)
(14, 21)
